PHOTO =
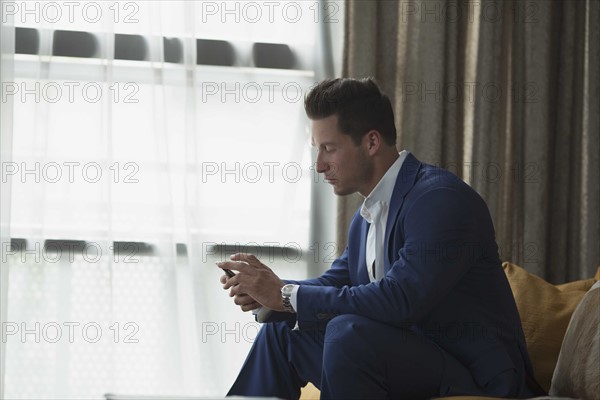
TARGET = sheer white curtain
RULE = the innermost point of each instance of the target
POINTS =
(124, 174)
(7, 49)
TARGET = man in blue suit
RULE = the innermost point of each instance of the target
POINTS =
(417, 306)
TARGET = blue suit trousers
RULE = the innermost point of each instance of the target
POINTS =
(354, 358)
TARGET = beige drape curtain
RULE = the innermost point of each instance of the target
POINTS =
(506, 95)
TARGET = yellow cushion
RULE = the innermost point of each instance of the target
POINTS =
(310, 392)
(545, 311)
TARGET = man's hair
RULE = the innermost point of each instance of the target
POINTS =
(359, 105)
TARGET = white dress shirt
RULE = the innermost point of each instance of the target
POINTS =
(374, 210)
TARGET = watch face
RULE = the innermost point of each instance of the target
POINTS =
(287, 289)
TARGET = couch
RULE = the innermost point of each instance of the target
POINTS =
(562, 330)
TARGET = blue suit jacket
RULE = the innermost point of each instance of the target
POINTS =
(443, 278)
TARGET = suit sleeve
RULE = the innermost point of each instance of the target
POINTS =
(440, 245)
(336, 276)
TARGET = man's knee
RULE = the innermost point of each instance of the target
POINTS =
(351, 358)
(347, 332)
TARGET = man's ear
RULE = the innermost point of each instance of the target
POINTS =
(372, 141)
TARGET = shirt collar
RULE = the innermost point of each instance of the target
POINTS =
(382, 193)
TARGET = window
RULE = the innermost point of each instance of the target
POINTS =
(150, 132)
(111, 102)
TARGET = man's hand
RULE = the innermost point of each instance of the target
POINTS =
(245, 302)
(254, 282)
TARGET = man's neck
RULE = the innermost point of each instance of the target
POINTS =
(380, 169)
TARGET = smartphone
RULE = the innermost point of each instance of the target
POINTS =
(229, 272)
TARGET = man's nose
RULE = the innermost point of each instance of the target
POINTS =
(321, 166)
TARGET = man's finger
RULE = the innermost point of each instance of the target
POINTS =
(235, 290)
(245, 257)
(231, 282)
(243, 299)
(234, 265)
(223, 279)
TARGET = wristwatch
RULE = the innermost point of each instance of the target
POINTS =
(286, 294)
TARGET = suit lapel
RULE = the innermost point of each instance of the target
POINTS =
(404, 182)
(362, 274)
